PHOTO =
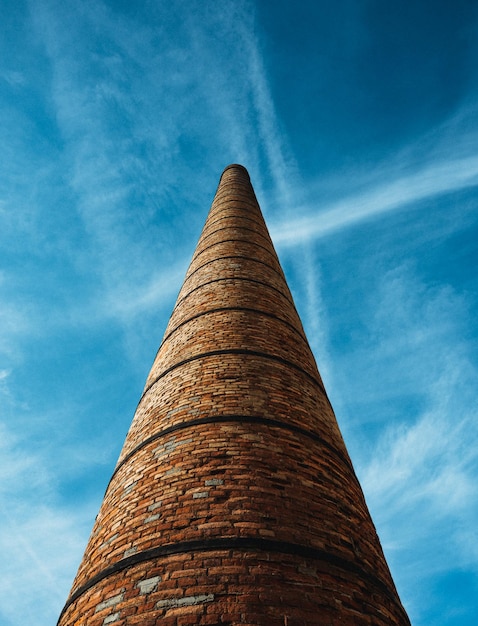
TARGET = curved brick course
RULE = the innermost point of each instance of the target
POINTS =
(248, 393)
(234, 500)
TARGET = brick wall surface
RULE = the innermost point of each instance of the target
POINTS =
(234, 500)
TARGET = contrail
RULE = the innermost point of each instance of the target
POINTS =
(431, 181)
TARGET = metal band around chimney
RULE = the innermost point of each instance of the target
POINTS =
(236, 543)
(241, 419)
(242, 352)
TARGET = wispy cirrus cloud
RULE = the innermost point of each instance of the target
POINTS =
(281, 164)
(119, 155)
(400, 191)
(443, 161)
(32, 524)
(418, 380)
(123, 113)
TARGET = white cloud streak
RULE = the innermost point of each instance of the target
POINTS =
(282, 168)
(403, 190)
(423, 466)
(39, 536)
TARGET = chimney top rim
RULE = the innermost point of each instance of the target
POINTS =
(235, 166)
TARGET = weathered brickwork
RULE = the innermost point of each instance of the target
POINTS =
(234, 500)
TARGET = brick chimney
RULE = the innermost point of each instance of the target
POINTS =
(234, 500)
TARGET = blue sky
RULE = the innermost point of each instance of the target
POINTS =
(358, 124)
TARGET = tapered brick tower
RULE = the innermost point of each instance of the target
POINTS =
(234, 500)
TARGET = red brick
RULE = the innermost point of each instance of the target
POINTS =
(235, 346)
